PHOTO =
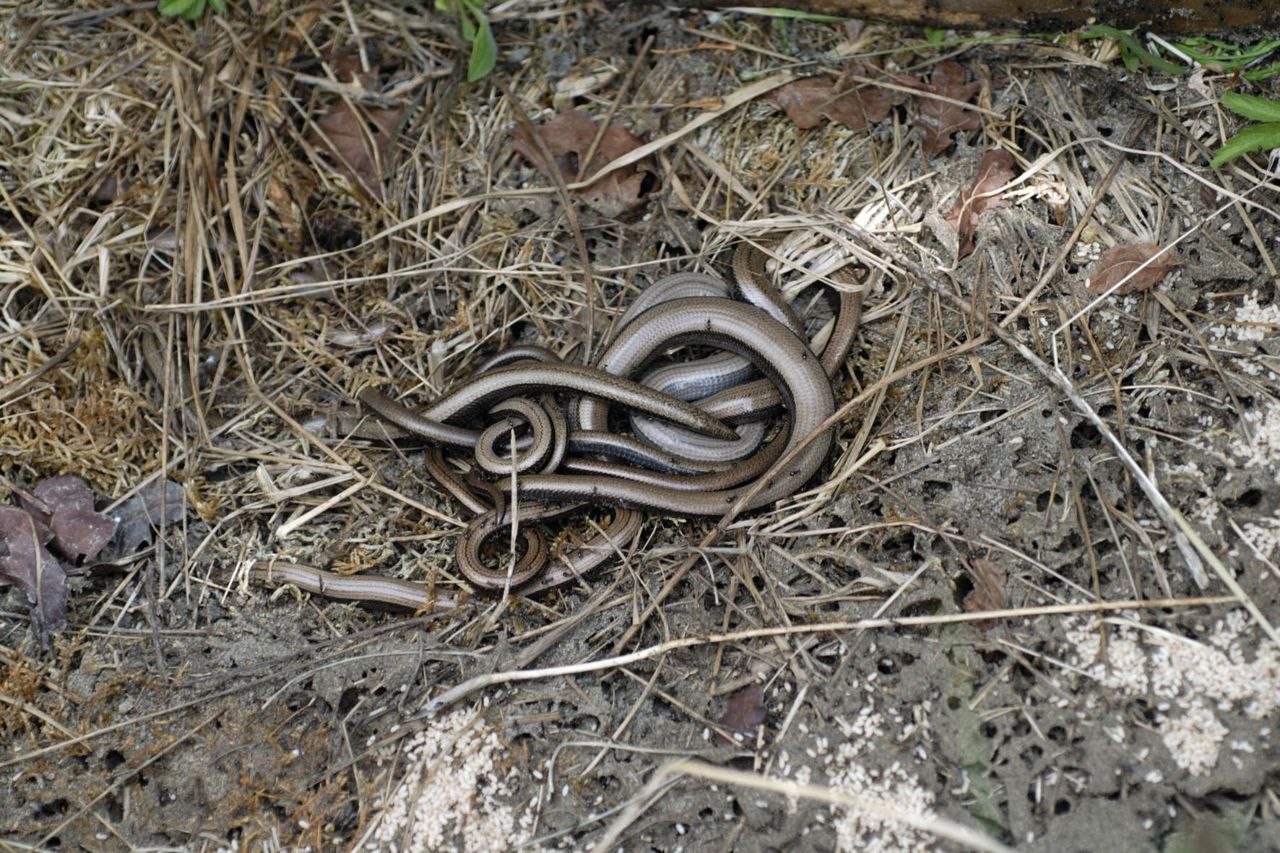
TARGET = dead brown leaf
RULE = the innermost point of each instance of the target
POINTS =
(807, 102)
(28, 565)
(360, 141)
(568, 138)
(939, 121)
(744, 712)
(1127, 261)
(65, 506)
(988, 579)
(995, 170)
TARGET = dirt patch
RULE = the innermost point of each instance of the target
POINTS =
(980, 625)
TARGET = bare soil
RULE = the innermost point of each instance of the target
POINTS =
(984, 617)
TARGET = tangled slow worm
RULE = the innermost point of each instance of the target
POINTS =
(694, 466)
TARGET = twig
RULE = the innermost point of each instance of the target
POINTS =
(471, 685)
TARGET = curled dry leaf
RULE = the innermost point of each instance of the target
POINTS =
(28, 565)
(939, 121)
(806, 102)
(1126, 264)
(995, 170)
(64, 505)
(568, 138)
(744, 712)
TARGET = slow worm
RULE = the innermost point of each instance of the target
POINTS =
(684, 459)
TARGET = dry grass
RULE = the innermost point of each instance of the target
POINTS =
(185, 278)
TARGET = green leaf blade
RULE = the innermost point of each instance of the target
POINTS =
(1132, 52)
(174, 8)
(484, 49)
(1251, 106)
(1259, 137)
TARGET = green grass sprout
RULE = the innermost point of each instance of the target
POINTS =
(1256, 137)
(1227, 58)
(473, 23)
(1132, 52)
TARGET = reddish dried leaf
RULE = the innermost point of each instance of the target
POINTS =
(988, 587)
(29, 566)
(568, 138)
(806, 102)
(744, 712)
(1127, 262)
(359, 147)
(65, 505)
(995, 170)
(939, 121)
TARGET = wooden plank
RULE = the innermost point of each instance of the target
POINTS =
(1186, 16)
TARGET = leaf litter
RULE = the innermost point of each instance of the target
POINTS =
(994, 171)
(855, 100)
(357, 136)
(1133, 268)
(569, 138)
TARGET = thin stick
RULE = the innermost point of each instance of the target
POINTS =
(471, 685)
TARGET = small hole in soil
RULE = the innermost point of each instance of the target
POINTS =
(1044, 498)
(989, 730)
(633, 45)
(953, 703)
(1058, 734)
(935, 488)
(926, 607)
(1248, 498)
(1085, 435)
(113, 759)
(1061, 807)
(53, 807)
